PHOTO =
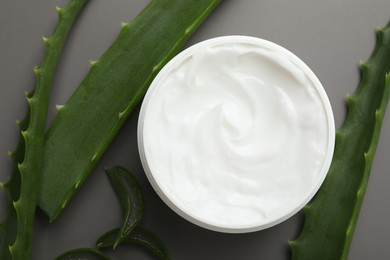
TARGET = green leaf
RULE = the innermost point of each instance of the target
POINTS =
(139, 236)
(116, 83)
(83, 254)
(331, 218)
(130, 196)
(23, 187)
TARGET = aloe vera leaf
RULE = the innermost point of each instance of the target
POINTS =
(12, 188)
(138, 236)
(83, 253)
(23, 186)
(115, 84)
(130, 196)
(331, 218)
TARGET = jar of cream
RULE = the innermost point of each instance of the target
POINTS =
(236, 134)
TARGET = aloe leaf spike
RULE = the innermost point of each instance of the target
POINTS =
(331, 218)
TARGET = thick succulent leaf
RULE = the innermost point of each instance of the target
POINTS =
(23, 186)
(115, 84)
(331, 218)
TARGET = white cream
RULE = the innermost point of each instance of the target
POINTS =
(236, 134)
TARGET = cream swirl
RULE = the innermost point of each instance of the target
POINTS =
(236, 134)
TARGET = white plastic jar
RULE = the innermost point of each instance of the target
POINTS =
(236, 134)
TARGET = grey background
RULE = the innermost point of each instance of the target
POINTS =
(330, 36)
